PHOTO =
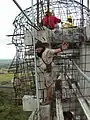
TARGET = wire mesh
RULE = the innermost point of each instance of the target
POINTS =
(79, 47)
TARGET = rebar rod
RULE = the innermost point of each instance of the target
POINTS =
(81, 72)
(31, 23)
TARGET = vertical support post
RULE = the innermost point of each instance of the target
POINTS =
(67, 8)
(36, 80)
(48, 4)
(82, 17)
(88, 4)
(37, 12)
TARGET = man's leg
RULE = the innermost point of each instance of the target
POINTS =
(49, 86)
(49, 93)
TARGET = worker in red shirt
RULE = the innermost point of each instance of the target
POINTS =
(50, 20)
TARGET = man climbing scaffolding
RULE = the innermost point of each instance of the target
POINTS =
(50, 20)
(46, 56)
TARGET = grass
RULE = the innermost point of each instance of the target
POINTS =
(8, 110)
(6, 77)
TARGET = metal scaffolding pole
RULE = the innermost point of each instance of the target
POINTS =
(82, 101)
(82, 17)
(37, 95)
(37, 12)
(48, 4)
(88, 4)
(81, 72)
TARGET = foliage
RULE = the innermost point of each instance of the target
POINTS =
(8, 111)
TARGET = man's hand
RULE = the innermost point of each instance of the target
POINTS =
(64, 46)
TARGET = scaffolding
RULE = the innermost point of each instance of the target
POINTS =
(71, 67)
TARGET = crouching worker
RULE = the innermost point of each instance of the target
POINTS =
(50, 20)
(69, 23)
(46, 56)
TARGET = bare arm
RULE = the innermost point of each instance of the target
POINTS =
(57, 50)
(64, 46)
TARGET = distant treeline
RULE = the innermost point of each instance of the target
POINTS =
(5, 63)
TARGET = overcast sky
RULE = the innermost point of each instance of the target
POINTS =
(8, 12)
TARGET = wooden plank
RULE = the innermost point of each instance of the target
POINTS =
(59, 110)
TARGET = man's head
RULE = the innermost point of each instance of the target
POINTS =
(39, 46)
(48, 12)
(69, 19)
